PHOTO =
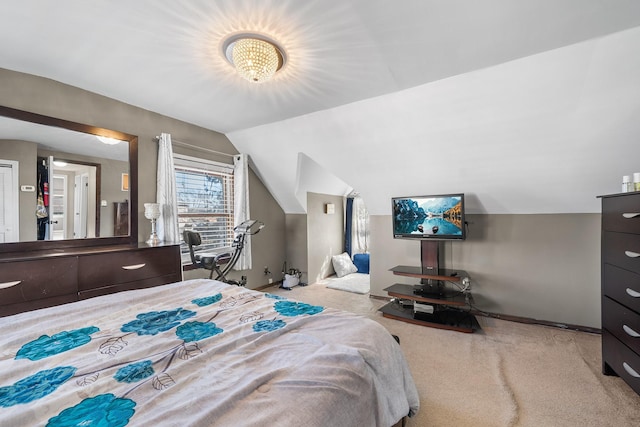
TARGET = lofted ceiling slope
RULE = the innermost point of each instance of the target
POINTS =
(527, 106)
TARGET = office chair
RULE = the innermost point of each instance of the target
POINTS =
(214, 261)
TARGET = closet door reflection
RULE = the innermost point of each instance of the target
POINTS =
(58, 207)
(73, 186)
(81, 206)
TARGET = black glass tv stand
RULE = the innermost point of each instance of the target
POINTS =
(440, 304)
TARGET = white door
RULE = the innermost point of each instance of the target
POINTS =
(80, 206)
(47, 197)
(9, 201)
(58, 207)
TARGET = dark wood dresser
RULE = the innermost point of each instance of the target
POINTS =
(621, 287)
(33, 280)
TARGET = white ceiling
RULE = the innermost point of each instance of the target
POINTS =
(527, 106)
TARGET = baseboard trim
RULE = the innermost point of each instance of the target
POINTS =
(269, 285)
(531, 321)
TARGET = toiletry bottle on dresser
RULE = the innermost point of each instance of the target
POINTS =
(636, 181)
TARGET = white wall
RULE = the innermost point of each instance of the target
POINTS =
(540, 134)
(296, 244)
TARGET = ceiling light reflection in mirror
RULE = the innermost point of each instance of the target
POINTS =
(61, 140)
(107, 140)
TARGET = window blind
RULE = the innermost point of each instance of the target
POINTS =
(205, 202)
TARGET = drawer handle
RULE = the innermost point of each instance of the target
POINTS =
(133, 267)
(631, 215)
(9, 284)
(632, 254)
(633, 293)
(630, 331)
(630, 370)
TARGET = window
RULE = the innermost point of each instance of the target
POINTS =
(205, 202)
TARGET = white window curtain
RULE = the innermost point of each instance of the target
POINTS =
(167, 224)
(241, 205)
(359, 227)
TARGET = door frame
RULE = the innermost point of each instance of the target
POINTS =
(13, 206)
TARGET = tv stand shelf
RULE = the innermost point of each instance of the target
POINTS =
(414, 293)
(424, 273)
(449, 304)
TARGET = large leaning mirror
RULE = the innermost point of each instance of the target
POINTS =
(64, 184)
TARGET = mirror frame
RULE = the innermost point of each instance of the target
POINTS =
(62, 245)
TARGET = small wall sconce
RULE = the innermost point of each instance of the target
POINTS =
(329, 208)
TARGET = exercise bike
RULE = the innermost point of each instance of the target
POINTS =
(221, 262)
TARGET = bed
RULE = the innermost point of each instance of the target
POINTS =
(200, 353)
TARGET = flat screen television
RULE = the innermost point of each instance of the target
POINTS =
(435, 217)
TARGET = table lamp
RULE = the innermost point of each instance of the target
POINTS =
(152, 212)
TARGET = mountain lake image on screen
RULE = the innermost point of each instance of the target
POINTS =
(438, 217)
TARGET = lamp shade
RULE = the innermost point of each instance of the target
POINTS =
(152, 210)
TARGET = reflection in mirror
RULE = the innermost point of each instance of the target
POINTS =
(72, 200)
(60, 182)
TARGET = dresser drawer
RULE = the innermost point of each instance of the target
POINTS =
(621, 213)
(622, 360)
(622, 286)
(622, 322)
(621, 249)
(111, 268)
(23, 281)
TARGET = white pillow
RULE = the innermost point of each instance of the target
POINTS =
(343, 265)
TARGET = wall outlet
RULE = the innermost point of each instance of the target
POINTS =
(270, 280)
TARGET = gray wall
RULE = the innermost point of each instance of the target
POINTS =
(297, 246)
(544, 267)
(325, 234)
(48, 97)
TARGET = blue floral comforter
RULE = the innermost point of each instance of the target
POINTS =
(199, 353)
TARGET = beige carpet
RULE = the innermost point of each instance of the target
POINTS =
(508, 374)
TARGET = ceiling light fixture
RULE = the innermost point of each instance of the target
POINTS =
(256, 58)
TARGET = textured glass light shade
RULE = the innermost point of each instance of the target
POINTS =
(255, 60)
(152, 210)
